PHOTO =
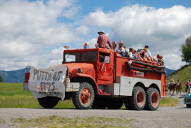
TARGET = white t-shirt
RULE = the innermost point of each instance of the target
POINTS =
(148, 53)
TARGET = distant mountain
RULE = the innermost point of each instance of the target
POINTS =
(169, 71)
(15, 76)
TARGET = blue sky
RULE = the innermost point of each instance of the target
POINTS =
(87, 6)
(38, 29)
(108, 5)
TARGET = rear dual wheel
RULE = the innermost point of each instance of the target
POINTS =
(138, 99)
(153, 99)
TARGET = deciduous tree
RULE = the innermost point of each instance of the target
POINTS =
(186, 50)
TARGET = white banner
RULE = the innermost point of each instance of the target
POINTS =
(48, 82)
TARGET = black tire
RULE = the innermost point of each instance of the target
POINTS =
(48, 102)
(188, 105)
(99, 102)
(138, 99)
(114, 103)
(83, 100)
(153, 99)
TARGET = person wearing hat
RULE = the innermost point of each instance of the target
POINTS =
(147, 51)
(103, 41)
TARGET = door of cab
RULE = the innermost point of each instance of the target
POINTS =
(105, 67)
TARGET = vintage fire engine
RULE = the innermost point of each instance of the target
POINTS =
(98, 78)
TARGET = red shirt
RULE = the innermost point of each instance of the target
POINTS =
(188, 83)
(103, 41)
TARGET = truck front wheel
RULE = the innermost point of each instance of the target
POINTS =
(84, 98)
(138, 99)
(153, 99)
(48, 102)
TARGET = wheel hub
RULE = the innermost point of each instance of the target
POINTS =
(140, 99)
(154, 99)
(85, 96)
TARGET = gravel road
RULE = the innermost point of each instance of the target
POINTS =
(164, 117)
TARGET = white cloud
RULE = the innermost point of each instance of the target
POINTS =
(16, 48)
(174, 61)
(92, 42)
(30, 33)
(162, 29)
(83, 30)
(28, 29)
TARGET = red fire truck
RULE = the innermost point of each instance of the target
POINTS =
(99, 78)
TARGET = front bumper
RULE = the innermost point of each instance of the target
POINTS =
(187, 98)
(50, 82)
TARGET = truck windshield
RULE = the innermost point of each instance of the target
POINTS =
(80, 57)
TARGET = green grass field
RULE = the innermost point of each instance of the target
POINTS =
(13, 96)
(168, 102)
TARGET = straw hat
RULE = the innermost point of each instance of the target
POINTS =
(101, 32)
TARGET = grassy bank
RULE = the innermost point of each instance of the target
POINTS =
(183, 74)
(13, 96)
(168, 102)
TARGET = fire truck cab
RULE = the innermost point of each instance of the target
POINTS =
(101, 78)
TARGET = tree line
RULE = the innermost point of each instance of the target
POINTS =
(1, 79)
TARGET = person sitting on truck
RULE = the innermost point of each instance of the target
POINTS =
(145, 54)
(141, 54)
(114, 46)
(86, 45)
(160, 59)
(147, 51)
(131, 53)
(135, 54)
(103, 41)
(121, 49)
(126, 52)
